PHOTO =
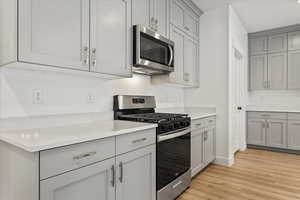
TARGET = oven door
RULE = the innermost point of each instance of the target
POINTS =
(152, 51)
(173, 156)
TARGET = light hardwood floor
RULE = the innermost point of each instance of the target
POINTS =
(256, 175)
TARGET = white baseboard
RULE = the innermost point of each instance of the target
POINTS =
(220, 160)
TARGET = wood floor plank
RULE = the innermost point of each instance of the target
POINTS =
(256, 175)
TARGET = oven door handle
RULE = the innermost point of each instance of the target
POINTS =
(172, 55)
(173, 135)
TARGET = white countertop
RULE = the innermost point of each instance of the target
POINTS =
(194, 112)
(34, 140)
(272, 109)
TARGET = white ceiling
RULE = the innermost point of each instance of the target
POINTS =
(258, 15)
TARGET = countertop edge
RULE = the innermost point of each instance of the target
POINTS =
(37, 148)
(201, 116)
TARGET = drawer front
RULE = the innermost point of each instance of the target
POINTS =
(63, 159)
(202, 123)
(132, 141)
(294, 116)
(267, 115)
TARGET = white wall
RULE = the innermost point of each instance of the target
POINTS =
(68, 94)
(213, 89)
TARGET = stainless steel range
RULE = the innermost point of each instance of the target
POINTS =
(173, 149)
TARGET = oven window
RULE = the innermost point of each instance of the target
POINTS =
(173, 159)
(154, 50)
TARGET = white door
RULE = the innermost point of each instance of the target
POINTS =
(136, 175)
(238, 88)
(111, 37)
(93, 182)
(54, 32)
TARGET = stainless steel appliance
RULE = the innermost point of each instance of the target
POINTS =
(152, 53)
(173, 148)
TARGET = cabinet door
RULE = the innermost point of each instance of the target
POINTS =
(190, 23)
(93, 183)
(177, 14)
(136, 175)
(178, 37)
(258, 72)
(54, 32)
(8, 37)
(256, 133)
(258, 45)
(197, 151)
(110, 37)
(209, 145)
(276, 133)
(277, 43)
(294, 70)
(142, 12)
(190, 60)
(294, 40)
(162, 15)
(277, 71)
(293, 135)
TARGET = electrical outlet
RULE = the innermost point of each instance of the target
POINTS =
(37, 97)
(90, 99)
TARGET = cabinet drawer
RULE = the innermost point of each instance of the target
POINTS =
(294, 116)
(63, 159)
(130, 142)
(201, 123)
(267, 115)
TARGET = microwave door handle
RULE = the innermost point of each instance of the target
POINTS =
(172, 55)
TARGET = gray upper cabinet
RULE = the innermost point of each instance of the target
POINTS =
(162, 15)
(152, 14)
(276, 133)
(294, 69)
(277, 71)
(256, 132)
(60, 39)
(258, 45)
(143, 12)
(184, 18)
(294, 41)
(277, 43)
(116, 57)
(293, 135)
(258, 72)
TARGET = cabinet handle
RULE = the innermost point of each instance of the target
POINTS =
(85, 155)
(85, 55)
(113, 176)
(121, 172)
(93, 57)
(139, 140)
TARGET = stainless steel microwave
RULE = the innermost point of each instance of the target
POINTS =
(152, 53)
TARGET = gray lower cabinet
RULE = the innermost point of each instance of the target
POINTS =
(93, 182)
(293, 139)
(276, 133)
(294, 70)
(136, 172)
(203, 144)
(256, 132)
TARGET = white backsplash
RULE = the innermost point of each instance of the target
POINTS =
(69, 94)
